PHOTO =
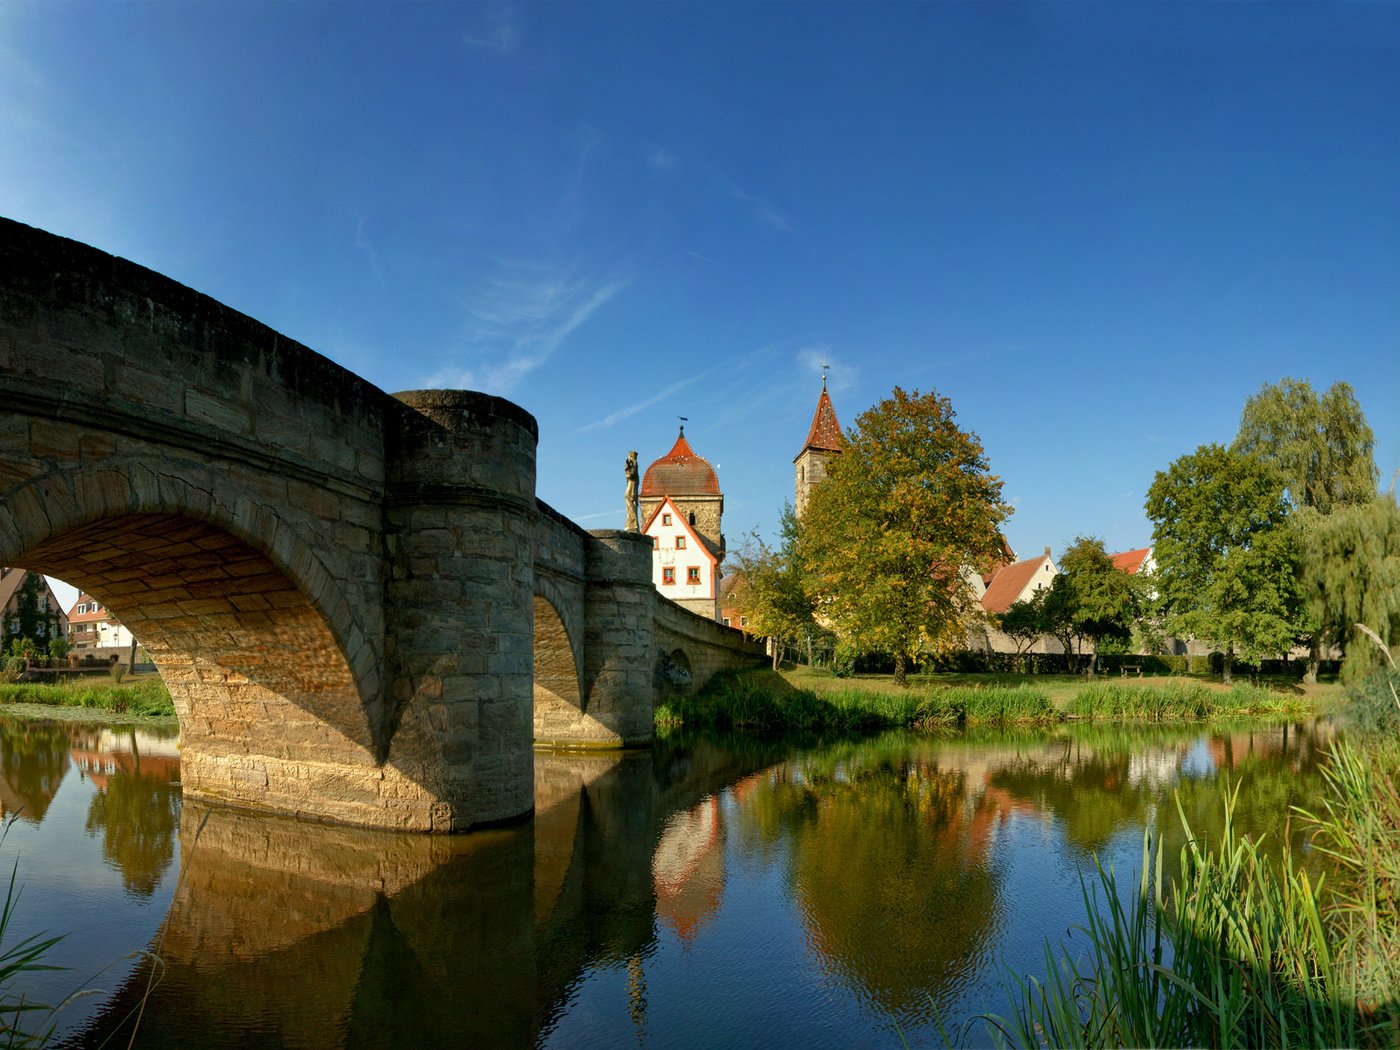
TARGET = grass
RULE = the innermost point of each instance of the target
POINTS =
(807, 700)
(139, 695)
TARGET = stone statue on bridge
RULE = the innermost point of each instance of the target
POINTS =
(633, 524)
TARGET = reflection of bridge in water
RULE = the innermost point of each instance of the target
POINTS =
(295, 934)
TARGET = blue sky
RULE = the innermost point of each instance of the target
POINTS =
(1096, 228)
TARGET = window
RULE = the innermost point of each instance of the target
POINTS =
(692, 575)
(668, 575)
(82, 608)
(692, 517)
(680, 543)
(743, 621)
(665, 519)
(726, 621)
(656, 543)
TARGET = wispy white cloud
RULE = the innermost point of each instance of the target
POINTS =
(762, 210)
(631, 410)
(495, 27)
(518, 319)
(840, 374)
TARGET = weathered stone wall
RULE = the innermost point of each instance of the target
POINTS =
(460, 521)
(704, 647)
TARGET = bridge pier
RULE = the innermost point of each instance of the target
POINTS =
(460, 518)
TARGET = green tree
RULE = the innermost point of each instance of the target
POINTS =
(1227, 560)
(1323, 449)
(1024, 621)
(1102, 600)
(1351, 574)
(905, 508)
(770, 589)
(33, 619)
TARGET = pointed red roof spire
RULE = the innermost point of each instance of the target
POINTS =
(825, 432)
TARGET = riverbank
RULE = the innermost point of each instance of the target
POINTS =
(135, 697)
(806, 699)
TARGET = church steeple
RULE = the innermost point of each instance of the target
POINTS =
(824, 440)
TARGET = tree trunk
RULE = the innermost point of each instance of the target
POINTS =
(1314, 658)
(899, 678)
(1227, 659)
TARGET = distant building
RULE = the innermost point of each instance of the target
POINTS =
(682, 504)
(824, 442)
(91, 626)
(29, 608)
(1135, 562)
(1005, 584)
(683, 567)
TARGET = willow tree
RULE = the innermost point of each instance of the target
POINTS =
(904, 511)
(1226, 557)
(1322, 447)
(1323, 450)
(1351, 575)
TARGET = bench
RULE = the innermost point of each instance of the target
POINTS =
(1125, 668)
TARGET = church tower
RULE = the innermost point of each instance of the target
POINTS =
(824, 441)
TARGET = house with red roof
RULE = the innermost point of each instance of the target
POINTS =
(1134, 562)
(1002, 587)
(683, 567)
(682, 511)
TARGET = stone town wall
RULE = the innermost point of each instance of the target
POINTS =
(708, 646)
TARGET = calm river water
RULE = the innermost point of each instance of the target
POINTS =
(705, 893)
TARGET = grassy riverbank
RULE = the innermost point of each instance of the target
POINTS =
(809, 700)
(142, 695)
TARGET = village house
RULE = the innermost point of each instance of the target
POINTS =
(29, 607)
(682, 510)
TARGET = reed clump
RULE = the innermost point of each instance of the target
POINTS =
(1179, 701)
(1239, 953)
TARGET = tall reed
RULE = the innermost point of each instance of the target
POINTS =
(1241, 954)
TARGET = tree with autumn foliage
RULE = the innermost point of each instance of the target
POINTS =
(888, 535)
(770, 591)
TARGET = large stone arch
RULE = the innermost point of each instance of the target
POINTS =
(276, 686)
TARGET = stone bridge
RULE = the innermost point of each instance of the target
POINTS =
(361, 609)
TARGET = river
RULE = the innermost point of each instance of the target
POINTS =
(704, 893)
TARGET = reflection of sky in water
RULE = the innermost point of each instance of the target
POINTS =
(1199, 762)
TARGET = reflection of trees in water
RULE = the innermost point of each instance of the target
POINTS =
(888, 859)
(1101, 781)
(33, 760)
(137, 815)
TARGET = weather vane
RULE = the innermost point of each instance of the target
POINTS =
(825, 368)
(684, 420)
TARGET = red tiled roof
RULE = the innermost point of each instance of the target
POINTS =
(680, 473)
(1008, 583)
(1130, 561)
(825, 432)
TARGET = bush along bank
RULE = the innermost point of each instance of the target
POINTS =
(765, 701)
(141, 698)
